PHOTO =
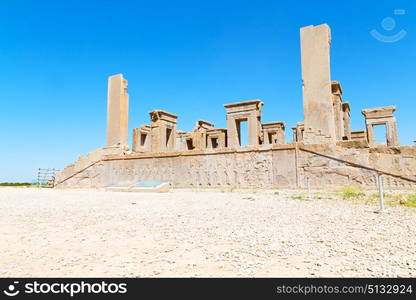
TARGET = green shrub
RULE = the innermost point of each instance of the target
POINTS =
(351, 192)
(410, 201)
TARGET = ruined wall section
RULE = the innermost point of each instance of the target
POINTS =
(245, 169)
(87, 171)
(357, 167)
(275, 167)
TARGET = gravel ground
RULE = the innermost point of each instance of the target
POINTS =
(85, 233)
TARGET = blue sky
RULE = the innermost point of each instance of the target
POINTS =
(186, 57)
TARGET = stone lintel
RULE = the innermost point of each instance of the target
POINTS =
(216, 130)
(379, 112)
(299, 125)
(244, 106)
(157, 114)
(202, 124)
(273, 125)
(336, 87)
(345, 106)
(145, 128)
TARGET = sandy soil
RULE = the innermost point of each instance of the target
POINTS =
(184, 233)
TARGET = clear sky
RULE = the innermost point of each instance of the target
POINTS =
(189, 58)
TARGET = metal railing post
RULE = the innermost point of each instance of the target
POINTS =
(380, 191)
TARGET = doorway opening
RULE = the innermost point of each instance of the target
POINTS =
(143, 139)
(380, 134)
(168, 136)
(242, 131)
(189, 145)
(214, 143)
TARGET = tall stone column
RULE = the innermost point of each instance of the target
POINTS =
(117, 111)
(316, 82)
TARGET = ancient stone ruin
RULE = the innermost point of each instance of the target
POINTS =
(117, 111)
(324, 148)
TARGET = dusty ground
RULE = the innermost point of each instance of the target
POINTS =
(184, 233)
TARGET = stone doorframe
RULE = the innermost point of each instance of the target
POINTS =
(273, 133)
(249, 111)
(381, 116)
(216, 138)
(163, 130)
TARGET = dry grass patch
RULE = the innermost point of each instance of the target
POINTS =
(350, 192)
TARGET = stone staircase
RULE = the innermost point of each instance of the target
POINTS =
(83, 163)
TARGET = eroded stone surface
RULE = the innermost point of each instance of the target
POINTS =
(276, 167)
(316, 82)
(117, 111)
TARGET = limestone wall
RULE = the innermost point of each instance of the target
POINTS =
(277, 166)
(87, 170)
(332, 167)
